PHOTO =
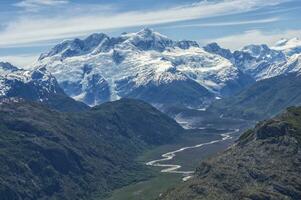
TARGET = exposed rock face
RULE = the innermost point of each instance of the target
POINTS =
(265, 163)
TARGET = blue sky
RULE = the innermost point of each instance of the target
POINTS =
(30, 27)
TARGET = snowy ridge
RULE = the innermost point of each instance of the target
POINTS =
(150, 66)
(261, 61)
(120, 66)
(39, 83)
(288, 46)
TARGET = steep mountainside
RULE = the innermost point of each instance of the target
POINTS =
(144, 65)
(263, 99)
(46, 154)
(35, 85)
(265, 163)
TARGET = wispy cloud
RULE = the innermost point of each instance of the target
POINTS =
(28, 30)
(35, 5)
(230, 23)
(22, 60)
(238, 41)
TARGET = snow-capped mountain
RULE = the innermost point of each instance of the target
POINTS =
(144, 65)
(6, 68)
(261, 61)
(289, 46)
(216, 49)
(34, 85)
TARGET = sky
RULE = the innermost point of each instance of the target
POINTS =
(31, 27)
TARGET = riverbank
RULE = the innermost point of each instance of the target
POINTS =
(188, 159)
(176, 168)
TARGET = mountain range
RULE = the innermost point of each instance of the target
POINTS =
(149, 66)
(67, 150)
(262, 62)
(252, 83)
(144, 65)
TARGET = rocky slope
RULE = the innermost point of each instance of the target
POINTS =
(144, 65)
(265, 163)
(35, 85)
(45, 154)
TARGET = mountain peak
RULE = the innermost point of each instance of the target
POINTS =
(216, 49)
(146, 31)
(262, 51)
(213, 45)
(75, 47)
(147, 39)
(286, 41)
(289, 46)
(94, 39)
(256, 47)
(6, 67)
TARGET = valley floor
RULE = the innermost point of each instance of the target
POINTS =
(150, 189)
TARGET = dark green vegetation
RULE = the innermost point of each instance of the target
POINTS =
(180, 93)
(159, 182)
(262, 100)
(64, 103)
(264, 164)
(148, 189)
(207, 118)
(45, 154)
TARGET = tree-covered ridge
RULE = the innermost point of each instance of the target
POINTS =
(45, 154)
(262, 100)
